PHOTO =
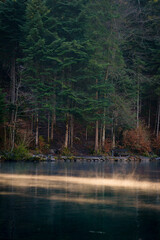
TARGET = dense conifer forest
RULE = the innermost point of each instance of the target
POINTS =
(80, 75)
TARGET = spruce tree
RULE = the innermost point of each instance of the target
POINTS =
(73, 55)
(11, 21)
(38, 49)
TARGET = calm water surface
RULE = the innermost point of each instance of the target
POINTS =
(80, 201)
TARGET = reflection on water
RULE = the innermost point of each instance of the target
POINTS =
(79, 201)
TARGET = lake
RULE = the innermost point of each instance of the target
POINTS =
(80, 200)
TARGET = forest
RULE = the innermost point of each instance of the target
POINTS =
(80, 75)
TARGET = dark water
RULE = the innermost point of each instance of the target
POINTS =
(80, 201)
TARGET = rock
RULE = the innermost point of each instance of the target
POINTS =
(51, 158)
(39, 157)
(52, 151)
(134, 158)
(154, 158)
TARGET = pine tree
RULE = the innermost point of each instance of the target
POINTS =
(38, 48)
(11, 20)
(73, 55)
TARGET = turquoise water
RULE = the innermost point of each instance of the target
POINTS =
(80, 201)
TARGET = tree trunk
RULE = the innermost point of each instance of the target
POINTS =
(96, 137)
(103, 135)
(5, 137)
(14, 113)
(52, 128)
(72, 130)
(13, 80)
(11, 136)
(138, 101)
(149, 115)
(69, 135)
(113, 135)
(113, 138)
(53, 121)
(138, 109)
(66, 135)
(104, 129)
(104, 114)
(13, 84)
(155, 125)
(32, 123)
(100, 138)
(86, 134)
(158, 118)
(97, 132)
(14, 128)
(52, 125)
(48, 128)
(37, 130)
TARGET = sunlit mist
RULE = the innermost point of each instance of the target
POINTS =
(57, 181)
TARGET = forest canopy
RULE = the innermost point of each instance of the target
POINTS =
(80, 75)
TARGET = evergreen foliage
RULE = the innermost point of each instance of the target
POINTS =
(93, 64)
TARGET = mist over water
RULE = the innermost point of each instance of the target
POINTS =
(80, 201)
(45, 181)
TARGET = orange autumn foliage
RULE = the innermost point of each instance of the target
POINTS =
(137, 140)
(156, 144)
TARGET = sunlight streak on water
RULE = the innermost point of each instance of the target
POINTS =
(53, 182)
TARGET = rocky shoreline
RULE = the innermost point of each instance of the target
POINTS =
(53, 158)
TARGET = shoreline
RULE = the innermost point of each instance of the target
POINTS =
(88, 158)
